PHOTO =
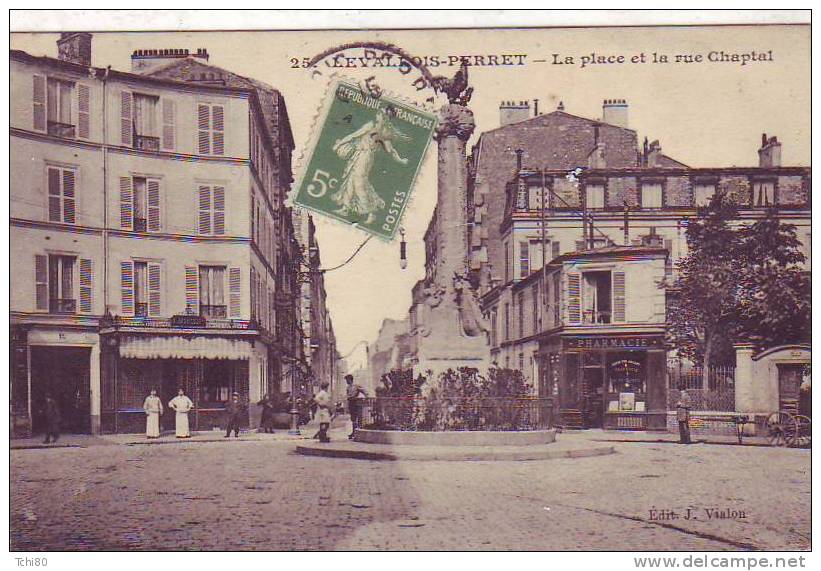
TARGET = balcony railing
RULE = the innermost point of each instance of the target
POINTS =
(146, 143)
(62, 130)
(140, 224)
(175, 322)
(141, 309)
(590, 316)
(63, 305)
(214, 311)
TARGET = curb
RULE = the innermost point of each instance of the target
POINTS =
(414, 453)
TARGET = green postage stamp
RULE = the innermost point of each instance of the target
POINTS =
(365, 159)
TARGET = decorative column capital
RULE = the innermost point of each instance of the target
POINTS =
(455, 121)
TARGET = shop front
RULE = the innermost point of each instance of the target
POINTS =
(607, 381)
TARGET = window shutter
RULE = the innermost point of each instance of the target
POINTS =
(86, 285)
(219, 210)
(127, 287)
(126, 128)
(54, 208)
(574, 298)
(234, 281)
(556, 245)
(253, 294)
(192, 290)
(41, 282)
(38, 98)
(218, 127)
(204, 129)
(168, 124)
(153, 204)
(205, 210)
(69, 203)
(126, 203)
(619, 295)
(83, 111)
(154, 289)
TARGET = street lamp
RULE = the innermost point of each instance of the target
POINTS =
(403, 250)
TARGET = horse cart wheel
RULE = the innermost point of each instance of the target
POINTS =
(800, 434)
(779, 425)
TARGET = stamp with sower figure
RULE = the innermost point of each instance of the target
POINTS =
(364, 161)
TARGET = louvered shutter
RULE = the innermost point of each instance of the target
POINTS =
(619, 297)
(38, 98)
(154, 290)
(219, 210)
(204, 209)
(54, 206)
(41, 282)
(126, 203)
(127, 287)
(153, 204)
(86, 285)
(204, 129)
(83, 111)
(574, 298)
(192, 290)
(126, 125)
(169, 135)
(69, 200)
(556, 245)
(234, 283)
(253, 294)
(217, 130)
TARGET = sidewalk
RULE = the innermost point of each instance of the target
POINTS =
(600, 435)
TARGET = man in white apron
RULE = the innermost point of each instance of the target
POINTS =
(181, 404)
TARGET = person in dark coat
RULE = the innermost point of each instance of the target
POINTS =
(52, 414)
(683, 416)
(266, 423)
(234, 411)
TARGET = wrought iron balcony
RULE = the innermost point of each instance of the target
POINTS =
(67, 306)
(599, 317)
(214, 311)
(146, 143)
(141, 309)
(62, 130)
(140, 224)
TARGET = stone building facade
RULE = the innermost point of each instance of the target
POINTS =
(150, 239)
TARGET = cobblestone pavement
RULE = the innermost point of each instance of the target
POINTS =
(260, 495)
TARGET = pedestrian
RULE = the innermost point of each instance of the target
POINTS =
(181, 404)
(313, 406)
(234, 409)
(266, 423)
(683, 416)
(323, 412)
(153, 410)
(355, 394)
(52, 414)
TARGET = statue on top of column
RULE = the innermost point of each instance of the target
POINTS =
(457, 88)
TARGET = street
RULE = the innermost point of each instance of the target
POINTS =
(258, 495)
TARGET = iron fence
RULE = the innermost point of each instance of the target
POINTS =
(458, 413)
(718, 395)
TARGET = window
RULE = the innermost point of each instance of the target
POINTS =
(520, 300)
(595, 196)
(534, 197)
(58, 107)
(61, 195)
(210, 129)
(524, 259)
(144, 121)
(535, 298)
(494, 327)
(535, 254)
(61, 284)
(703, 193)
(763, 193)
(217, 383)
(651, 195)
(211, 210)
(507, 322)
(596, 297)
(507, 262)
(140, 289)
(140, 204)
(212, 292)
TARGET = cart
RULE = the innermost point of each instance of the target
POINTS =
(788, 428)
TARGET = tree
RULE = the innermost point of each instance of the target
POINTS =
(737, 284)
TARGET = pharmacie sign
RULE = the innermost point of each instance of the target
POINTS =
(613, 342)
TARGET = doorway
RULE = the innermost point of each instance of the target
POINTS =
(789, 385)
(64, 372)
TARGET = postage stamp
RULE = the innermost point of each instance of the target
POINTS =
(363, 163)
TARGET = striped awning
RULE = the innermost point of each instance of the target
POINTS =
(177, 347)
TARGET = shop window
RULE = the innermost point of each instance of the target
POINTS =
(217, 383)
(626, 375)
(596, 297)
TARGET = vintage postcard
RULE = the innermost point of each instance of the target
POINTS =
(584, 325)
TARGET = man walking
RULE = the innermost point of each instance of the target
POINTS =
(323, 413)
(354, 404)
(234, 411)
(683, 416)
(52, 414)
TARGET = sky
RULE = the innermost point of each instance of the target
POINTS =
(703, 113)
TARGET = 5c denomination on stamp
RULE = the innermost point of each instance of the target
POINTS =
(363, 163)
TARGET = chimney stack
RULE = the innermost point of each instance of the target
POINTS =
(614, 112)
(769, 155)
(513, 112)
(75, 47)
(144, 61)
(653, 155)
